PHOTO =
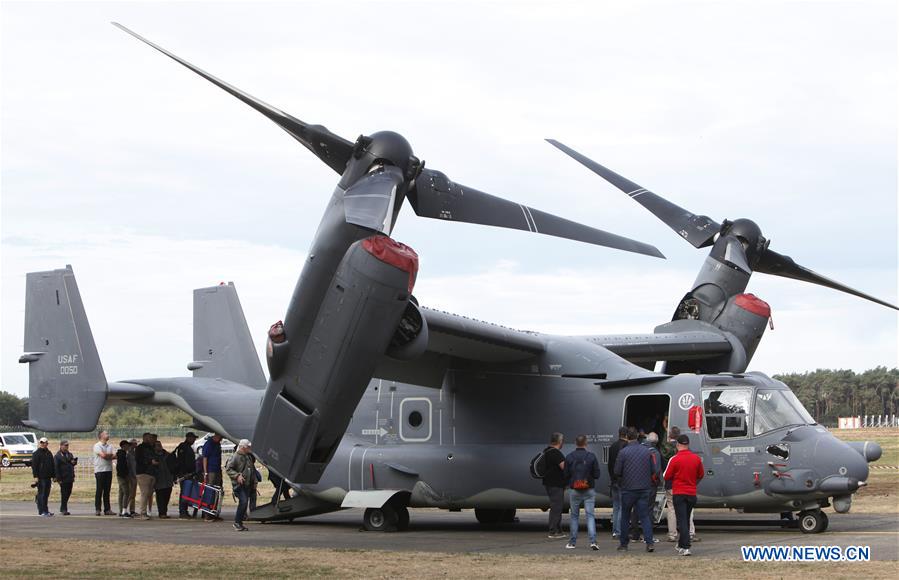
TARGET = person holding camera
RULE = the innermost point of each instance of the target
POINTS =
(65, 475)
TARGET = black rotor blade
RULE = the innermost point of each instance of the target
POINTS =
(369, 202)
(435, 196)
(334, 150)
(699, 230)
(776, 264)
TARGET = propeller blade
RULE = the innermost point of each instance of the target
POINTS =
(699, 230)
(435, 196)
(334, 150)
(776, 264)
(735, 254)
(370, 201)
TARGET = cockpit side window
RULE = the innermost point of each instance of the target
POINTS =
(774, 409)
(727, 412)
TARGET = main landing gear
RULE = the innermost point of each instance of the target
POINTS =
(812, 522)
(386, 519)
(495, 516)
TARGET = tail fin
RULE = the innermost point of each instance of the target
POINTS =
(67, 387)
(223, 347)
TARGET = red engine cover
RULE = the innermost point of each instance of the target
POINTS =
(754, 304)
(394, 253)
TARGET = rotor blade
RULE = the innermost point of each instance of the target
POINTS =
(369, 202)
(435, 196)
(699, 230)
(735, 254)
(776, 264)
(334, 150)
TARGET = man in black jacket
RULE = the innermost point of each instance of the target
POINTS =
(123, 477)
(64, 463)
(147, 468)
(554, 482)
(614, 490)
(43, 468)
(185, 467)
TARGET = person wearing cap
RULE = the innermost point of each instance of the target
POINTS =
(104, 453)
(185, 468)
(241, 469)
(684, 472)
(43, 468)
(64, 463)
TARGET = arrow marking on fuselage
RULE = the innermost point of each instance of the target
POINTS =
(728, 450)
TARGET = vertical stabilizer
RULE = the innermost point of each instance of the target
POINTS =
(223, 346)
(66, 384)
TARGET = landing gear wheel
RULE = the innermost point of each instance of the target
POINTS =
(402, 521)
(5, 462)
(826, 522)
(488, 516)
(380, 519)
(508, 517)
(813, 522)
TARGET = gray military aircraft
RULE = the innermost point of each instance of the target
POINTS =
(374, 401)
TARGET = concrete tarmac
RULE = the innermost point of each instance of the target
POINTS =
(441, 531)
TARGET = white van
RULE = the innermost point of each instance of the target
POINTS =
(17, 448)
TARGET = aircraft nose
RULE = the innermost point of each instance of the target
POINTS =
(837, 459)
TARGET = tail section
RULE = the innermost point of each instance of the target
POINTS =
(223, 347)
(67, 387)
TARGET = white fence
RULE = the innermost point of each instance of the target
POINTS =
(868, 422)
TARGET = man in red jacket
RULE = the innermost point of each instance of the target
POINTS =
(684, 471)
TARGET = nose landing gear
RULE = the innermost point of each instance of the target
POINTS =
(812, 521)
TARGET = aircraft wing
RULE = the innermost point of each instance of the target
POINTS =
(454, 337)
(667, 346)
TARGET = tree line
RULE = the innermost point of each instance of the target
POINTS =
(827, 394)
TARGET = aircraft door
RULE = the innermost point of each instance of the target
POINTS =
(731, 457)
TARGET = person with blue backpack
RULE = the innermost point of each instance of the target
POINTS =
(581, 473)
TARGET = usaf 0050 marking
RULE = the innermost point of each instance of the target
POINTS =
(375, 401)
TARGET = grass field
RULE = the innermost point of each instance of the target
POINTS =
(143, 560)
(882, 492)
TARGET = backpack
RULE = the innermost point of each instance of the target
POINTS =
(581, 475)
(538, 464)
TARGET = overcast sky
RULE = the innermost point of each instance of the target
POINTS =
(151, 182)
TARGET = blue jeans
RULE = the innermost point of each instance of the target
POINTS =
(629, 499)
(616, 508)
(587, 497)
(246, 500)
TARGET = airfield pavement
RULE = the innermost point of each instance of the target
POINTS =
(440, 531)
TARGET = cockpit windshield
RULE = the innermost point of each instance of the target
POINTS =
(775, 409)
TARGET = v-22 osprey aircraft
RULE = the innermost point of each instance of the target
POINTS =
(377, 402)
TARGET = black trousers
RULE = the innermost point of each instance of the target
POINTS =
(556, 498)
(65, 490)
(162, 500)
(683, 507)
(104, 485)
(43, 495)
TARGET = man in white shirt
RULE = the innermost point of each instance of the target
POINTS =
(104, 453)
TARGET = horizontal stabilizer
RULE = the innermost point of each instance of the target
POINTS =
(66, 383)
